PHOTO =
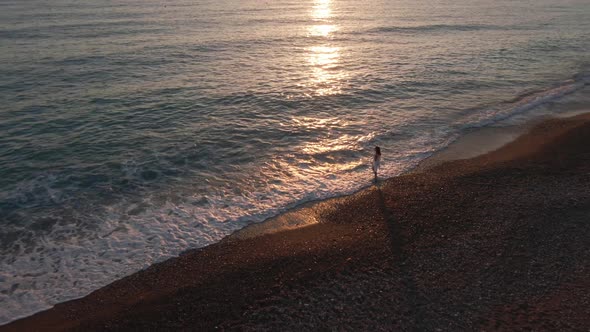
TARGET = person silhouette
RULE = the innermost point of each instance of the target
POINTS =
(376, 161)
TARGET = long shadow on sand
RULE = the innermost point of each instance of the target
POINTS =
(419, 312)
(410, 291)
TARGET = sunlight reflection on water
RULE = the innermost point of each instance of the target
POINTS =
(181, 122)
(324, 58)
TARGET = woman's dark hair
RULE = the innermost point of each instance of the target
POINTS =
(378, 150)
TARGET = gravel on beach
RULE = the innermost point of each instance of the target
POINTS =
(497, 242)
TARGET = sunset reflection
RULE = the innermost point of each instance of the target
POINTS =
(322, 30)
(321, 13)
(321, 9)
(324, 58)
(325, 77)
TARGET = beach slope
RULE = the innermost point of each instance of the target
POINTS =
(499, 241)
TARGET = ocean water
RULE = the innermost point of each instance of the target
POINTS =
(133, 130)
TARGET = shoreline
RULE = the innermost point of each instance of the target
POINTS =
(330, 246)
(276, 222)
(463, 148)
(307, 213)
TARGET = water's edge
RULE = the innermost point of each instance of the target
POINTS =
(471, 143)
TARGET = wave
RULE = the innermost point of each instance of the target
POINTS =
(63, 259)
(436, 28)
(522, 103)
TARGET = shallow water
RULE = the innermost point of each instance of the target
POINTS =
(134, 130)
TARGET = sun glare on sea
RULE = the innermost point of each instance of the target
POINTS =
(321, 13)
(323, 30)
(321, 9)
(325, 79)
(324, 58)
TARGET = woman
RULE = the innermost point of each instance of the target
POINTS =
(376, 161)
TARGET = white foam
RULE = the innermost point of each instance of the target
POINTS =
(67, 262)
(522, 105)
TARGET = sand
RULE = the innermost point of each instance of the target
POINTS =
(496, 242)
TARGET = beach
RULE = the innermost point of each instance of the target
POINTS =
(136, 131)
(500, 241)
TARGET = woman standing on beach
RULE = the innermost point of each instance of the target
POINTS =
(376, 161)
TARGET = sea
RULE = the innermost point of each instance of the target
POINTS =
(134, 130)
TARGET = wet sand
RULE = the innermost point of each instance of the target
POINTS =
(496, 242)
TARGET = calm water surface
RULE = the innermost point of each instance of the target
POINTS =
(133, 130)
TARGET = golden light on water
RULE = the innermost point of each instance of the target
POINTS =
(327, 149)
(321, 13)
(323, 30)
(325, 77)
(321, 9)
(324, 58)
